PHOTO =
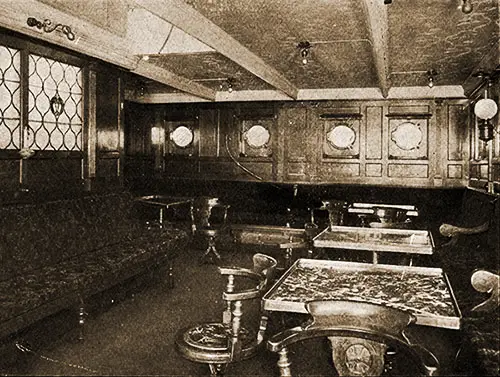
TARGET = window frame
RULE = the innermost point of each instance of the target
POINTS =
(26, 47)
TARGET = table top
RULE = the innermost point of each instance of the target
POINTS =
(423, 291)
(369, 208)
(376, 239)
(164, 200)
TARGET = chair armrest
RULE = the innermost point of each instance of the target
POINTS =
(238, 271)
(246, 294)
(293, 245)
(486, 282)
(232, 293)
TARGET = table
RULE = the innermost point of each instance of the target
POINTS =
(369, 208)
(164, 202)
(284, 237)
(422, 291)
(376, 240)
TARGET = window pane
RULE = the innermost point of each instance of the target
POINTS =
(10, 109)
(55, 105)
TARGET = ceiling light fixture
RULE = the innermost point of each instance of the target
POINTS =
(304, 51)
(431, 73)
(226, 83)
(466, 6)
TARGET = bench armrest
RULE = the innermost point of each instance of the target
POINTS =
(486, 282)
(449, 230)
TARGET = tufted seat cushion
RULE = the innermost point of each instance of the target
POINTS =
(56, 253)
(209, 342)
(213, 336)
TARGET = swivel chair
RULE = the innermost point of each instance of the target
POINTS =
(209, 222)
(221, 343)
(360, 334)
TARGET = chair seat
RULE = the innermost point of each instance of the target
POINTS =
(208, 342)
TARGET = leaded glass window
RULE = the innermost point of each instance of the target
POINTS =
(54, 105)
(10, 98)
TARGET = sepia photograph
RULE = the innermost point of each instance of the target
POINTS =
(249, 188)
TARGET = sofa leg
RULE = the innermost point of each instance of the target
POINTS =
(81, 320)
(170, 274)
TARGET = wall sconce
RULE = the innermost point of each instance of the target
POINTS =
(48, 27)
(431, 74)
(304, 51)
(485, 109)
(466, 6)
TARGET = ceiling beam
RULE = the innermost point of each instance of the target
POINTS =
(376, 15)
(186, 18)
(344, 94)
(164, 76)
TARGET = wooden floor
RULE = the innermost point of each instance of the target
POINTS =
(133, 333)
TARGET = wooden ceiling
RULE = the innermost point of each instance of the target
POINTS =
(360, 49)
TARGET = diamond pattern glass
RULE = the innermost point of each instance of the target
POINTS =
(10, 98)
(49, 130)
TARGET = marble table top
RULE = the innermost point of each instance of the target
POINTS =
(376, 239)
(423, 291)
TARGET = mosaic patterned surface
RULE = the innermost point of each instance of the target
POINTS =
(408, 291)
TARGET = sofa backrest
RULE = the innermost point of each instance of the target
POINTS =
(34, 235)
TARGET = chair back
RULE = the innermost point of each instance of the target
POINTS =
(359, 317)
(261, 275)
(264, 265)
(360, 334)
(208, 213)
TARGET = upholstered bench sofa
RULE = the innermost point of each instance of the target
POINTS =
(55, 255)
(472, 251)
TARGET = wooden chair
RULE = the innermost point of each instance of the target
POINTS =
(360, 334)
(209, 221)
(221, 343)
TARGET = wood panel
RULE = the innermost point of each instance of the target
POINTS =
(109, 128)
(138, 123)
(9, 174)
(209, 132)
(297, 154)
(52, 172)
(457, 132)
(408, 171)
(337, 171)
(373, 124)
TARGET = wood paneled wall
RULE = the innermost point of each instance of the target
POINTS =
(298, 150)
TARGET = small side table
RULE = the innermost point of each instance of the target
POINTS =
(163, 202)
